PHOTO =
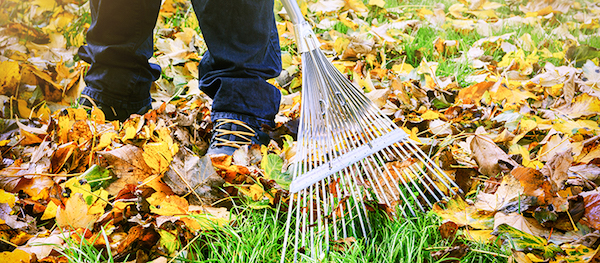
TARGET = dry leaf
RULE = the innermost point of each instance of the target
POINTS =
(489, 157)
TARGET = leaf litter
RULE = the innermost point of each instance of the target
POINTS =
(511, 114)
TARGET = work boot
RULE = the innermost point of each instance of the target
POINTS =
(230, 135)
(112, 113)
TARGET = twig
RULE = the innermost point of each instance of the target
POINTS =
(489, 253)
(185, 181)
(184, 248)
(8, 242)
(472, 249)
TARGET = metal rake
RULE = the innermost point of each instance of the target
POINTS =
(349, 154)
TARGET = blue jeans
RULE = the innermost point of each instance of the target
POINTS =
(243, 52)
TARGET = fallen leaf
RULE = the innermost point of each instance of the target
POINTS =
(591, 200)
(557, 168)
(15, 256)
(459, 212)
(522, 241)
(509, 190)
(10, 77)
(167, 205)
(75, 214)
(488, 155)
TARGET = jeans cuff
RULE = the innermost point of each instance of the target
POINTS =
(250, 120)
(117, 103)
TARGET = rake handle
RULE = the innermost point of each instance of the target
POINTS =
(291, 6)
(306, 39)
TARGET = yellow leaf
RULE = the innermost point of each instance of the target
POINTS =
(365, 82)
(380, 3)
(430, 115)
(97, 116)
(130, 132)
(479, 236)
(75, 187)
(7, 198)
(591, 24)
(525, 126)
(15, 256)
(356, 5)
(459, 212)
(105, 140)
(9, 77)
(158, 156)
(541, 12)
(208, 218)
(101, 202)
(24, 110)
(402, 68)
(50, 211)
(75, 214)
(168, 205)
(413, 135)
(576, 253)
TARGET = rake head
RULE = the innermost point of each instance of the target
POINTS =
(349, 155)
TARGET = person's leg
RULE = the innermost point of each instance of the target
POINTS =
(243, 52)
(119, 44)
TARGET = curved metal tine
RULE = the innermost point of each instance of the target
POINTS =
(318, 55)
(423, 182)
(325, 212)
(340, 206)
(439, 191)
(381, 193)
(387, 152)
(390, 176)
(287, 228)
(359, 205)
(414, 184)
(345, 186)
(338, 141)
(415, 198)
(433, 166)
(386, 172)
(298, 220)
(342, 139)
(353, 94)
(311, 220)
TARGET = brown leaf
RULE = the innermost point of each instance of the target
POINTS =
(343, 244)
(28, 32)
(591, 200)
(448, 230)
(61, 155)
(128, 165)
(590, 150)
(488, 155)
(138, 237)
(455, 252)
(509, 189)
(557, 168)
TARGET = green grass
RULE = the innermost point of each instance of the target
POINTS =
(258, 235)
(84, 251)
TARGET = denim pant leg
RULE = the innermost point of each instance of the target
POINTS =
(243, 51)
(119, 44)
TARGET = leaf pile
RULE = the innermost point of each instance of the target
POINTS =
(504, 95)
